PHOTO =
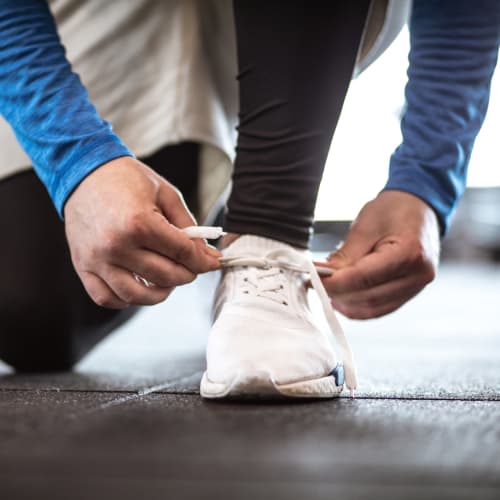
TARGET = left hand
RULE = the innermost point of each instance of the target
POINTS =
(390, 253)
(124, 220)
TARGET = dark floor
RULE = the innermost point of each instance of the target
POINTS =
(130, 423)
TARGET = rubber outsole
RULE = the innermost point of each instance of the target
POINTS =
(262, 386)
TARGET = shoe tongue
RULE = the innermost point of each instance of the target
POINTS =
(257, 246)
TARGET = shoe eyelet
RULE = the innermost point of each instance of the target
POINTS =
(246, 291)
(245, 280)
(281, 287)
(281, 271)
(285, 303)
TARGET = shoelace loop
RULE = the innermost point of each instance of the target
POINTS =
(293, 261)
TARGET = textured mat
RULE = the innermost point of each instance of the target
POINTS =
(93, 443)
(129, 422)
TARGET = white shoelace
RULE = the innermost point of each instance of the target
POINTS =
(256, 282)
(261, 278)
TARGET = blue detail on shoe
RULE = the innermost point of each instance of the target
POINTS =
(338, 374)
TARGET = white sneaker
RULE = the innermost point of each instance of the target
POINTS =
(264, 341)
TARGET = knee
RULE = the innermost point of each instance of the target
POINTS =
(36, 339)
(40, 335)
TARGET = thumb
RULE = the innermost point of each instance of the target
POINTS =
(173, 206)
(175, 210)
(349, 251)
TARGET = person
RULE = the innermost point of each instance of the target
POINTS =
(122, 219)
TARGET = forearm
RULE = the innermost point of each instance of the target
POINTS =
(454, 47)
(46, 104)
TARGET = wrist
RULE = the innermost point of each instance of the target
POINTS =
(73, 173)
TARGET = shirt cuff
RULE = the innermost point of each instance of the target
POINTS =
(423, 185)
(95, 155)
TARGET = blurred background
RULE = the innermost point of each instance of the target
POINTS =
(367, 134)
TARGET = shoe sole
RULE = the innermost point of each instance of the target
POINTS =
(260, 386)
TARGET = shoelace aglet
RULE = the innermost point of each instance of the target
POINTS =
(207, 232)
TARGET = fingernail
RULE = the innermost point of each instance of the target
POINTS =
(213, 251)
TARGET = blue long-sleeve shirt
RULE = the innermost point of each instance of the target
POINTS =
(46, 104)
(453, 53)
(454, 46)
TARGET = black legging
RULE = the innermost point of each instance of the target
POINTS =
(47, 320)
(295, 62)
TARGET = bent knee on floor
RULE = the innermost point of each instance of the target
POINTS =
(33, 339)
(37, 336)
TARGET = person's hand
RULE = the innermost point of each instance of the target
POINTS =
(390, 253)
(122, 219)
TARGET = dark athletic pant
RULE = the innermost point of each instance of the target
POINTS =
(295, 62)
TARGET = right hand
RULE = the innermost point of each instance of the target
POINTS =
(391, 253)
(123, 218)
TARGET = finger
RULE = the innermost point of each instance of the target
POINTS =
(174, 207)
(129, 290)
(365, 312)
(214, 252)
(400, 289)
(177, 213)
(207, 249)
(155, 268)
(356, 245)
(159, 231)
(387, 263)
(159, 236)
(100, 292)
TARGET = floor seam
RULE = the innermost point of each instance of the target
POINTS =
(160, 389)
(133, 396)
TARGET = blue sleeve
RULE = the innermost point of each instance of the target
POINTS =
(454, 48)
(46, 104)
